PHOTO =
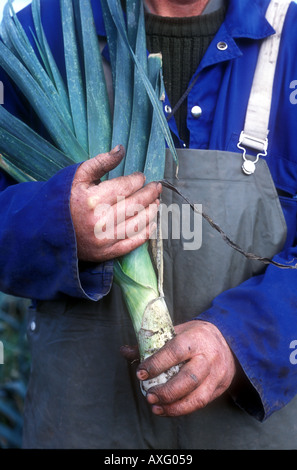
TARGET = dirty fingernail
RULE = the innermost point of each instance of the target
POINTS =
(142, 374)
(152, 398)
(116, 149)
(158, 410)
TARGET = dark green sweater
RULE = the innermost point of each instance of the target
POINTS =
(182, 42)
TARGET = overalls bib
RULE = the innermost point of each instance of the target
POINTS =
(83, 394)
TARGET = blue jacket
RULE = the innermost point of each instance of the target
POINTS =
(38, 257)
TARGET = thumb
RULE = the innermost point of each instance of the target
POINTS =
(130, 353)
(92, 170)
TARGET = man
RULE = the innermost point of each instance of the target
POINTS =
(81, 393)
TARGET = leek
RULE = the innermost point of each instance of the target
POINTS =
(79, 121)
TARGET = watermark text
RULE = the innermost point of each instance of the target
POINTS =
(293, 94)
(293, 355)
(178, 222)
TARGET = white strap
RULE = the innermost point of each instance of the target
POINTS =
(257, 117)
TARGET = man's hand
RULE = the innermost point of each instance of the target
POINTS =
(207, 372)
(112, 217)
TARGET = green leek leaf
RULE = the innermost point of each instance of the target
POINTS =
(29, 59)
(76, 88)
(15, 172)
(49, 61)
(112, 37)
(141, 113)
(155, 161)
(98, 108)
(23, 132)
(43, 106)
(115, 9)
(26, 158)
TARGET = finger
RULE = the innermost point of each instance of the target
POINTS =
(144, 196)
(133, 225)
(122, 247)
(95, 168)
(138, 201)
(191, 375)
(113, 191)
(131, 353)
(173, 353)
(112, 226)
(196, 400)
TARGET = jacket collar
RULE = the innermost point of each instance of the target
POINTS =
(244, 19)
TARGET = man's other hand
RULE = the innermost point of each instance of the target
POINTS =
(207, 371)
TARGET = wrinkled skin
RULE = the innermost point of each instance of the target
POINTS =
(121, 195)
(208, 369)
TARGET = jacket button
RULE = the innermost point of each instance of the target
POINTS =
(196, 111)
(222, 46)
(32, 325)
(168, 109)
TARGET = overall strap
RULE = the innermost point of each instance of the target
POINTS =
(255, 133)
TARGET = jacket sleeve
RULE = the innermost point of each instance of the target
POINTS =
(38, 256)
(258, 320)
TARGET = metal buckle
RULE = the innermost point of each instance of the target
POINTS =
(261, 145)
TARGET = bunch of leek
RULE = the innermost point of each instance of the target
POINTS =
(78, 119)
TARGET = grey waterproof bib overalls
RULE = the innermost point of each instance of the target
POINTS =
(83, 394)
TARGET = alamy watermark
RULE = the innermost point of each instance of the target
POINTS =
(177, 222)
(293, 94)
(293, 355)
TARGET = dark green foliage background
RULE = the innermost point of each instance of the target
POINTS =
(14, 373)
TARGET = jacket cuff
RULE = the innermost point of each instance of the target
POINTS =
(95, 281)
(242, 390)
(90, 280)
(38, 250)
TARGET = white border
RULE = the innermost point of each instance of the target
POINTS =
(18, 5)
